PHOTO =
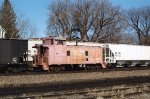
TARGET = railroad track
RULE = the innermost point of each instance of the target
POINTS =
(128, 88)
(108, 93)
(74, 71)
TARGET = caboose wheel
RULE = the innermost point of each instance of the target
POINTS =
(62, 68)
(51, 68)
(93, 68)
(88, 67)
(98, 67)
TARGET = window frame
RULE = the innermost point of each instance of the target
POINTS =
(68, 53)
(86, 53)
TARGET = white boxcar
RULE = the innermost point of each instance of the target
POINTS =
(2, 32)
(124, 54)
(32, 51)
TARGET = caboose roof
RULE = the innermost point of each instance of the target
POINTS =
(56, 38)
(60, 38)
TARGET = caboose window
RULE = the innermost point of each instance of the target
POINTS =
(86, 53)
(60, 42)
(52, 41)
(86, 59)
(68, 53)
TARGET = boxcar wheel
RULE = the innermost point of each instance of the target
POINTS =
(148, 65)
(125, 65)
(6, 71)
(110, 66)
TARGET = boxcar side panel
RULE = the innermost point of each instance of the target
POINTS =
(12, 50)
(5, 52)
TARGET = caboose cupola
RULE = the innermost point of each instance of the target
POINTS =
(54, 41)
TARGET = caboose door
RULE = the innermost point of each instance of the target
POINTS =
(45, 57)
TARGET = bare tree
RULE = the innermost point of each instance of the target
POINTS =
(93, 19)
(86, 13)
(108, 26)
(128, 38)
(67, 18)
(59, 21)
(139, 20)
(26, 29)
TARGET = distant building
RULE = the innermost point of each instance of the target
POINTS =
(2, 32)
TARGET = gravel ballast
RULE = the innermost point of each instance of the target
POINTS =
(20, 80)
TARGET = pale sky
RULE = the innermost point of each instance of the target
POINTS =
(37, 13)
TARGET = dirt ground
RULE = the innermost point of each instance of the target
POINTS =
(21, 80)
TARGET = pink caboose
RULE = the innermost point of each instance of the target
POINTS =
(55, 55)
